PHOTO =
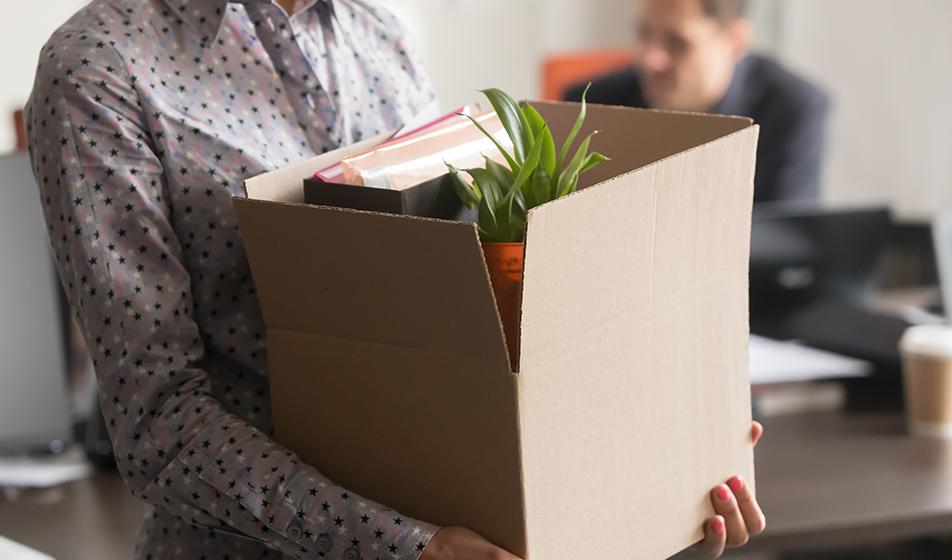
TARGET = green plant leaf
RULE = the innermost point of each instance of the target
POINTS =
(518, 229)
(574, 166)
(592, 160)
(488, 227)
(538, 170)
(513, 164)
(499, 172)
(513, 120)
(506, 217)
(511, 217)
(569, 187)
(540, 128)
(488, 186)
(535, 191)
(544, 190)
(520, 205)
(530, 165)
(468, 193)
(573, 133)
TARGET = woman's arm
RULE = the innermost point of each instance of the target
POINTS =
(103, 190)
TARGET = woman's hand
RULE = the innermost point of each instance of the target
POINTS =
(457, 543)
(738, 514)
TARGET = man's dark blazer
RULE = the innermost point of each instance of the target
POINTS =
(791, 113)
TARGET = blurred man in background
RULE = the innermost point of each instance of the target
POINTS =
(693, 56)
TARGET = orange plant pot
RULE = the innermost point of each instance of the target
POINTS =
(505, 263)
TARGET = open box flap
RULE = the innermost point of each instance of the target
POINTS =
(397, 280)
(442, 425)
(646, 276)
(634, 138)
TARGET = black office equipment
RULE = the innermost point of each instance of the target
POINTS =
(813, 273)
(802, 257)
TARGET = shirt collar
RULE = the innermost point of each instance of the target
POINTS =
(205, 16)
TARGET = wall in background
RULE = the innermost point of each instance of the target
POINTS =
(886, 64)
(25, 28)
(472, 44)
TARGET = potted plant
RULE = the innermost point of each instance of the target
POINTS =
(538, 172)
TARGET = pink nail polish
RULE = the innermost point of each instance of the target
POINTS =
(736, 484)
(722, 494)
(717, 525)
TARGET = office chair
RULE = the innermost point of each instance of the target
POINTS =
(559, 72)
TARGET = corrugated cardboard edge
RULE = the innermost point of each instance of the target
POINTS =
(247, 209)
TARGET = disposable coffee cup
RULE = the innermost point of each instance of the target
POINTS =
(927, 376)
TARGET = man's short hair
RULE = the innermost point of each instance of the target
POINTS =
(725, 12)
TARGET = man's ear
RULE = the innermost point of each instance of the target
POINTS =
(740, 34)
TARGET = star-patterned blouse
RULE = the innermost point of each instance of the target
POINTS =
(145, 118)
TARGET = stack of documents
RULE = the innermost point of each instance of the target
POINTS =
(789, 378)
(414, 157)
(10, 550)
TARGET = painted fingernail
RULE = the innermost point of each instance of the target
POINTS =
(717, 525)
(722, 493)
(736, 484)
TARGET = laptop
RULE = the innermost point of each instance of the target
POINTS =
(34, 408)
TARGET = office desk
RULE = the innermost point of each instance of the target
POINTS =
(825, 481)
(838, 480)
(93, 519)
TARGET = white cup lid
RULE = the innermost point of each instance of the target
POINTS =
(930, 340)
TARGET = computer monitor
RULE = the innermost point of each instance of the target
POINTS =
(34, 408)
(801, 255)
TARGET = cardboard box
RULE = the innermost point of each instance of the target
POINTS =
(388, 366)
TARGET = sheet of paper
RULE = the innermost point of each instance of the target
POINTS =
(10, 550)
(773, 361)
(421, 119)
(33, 472)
